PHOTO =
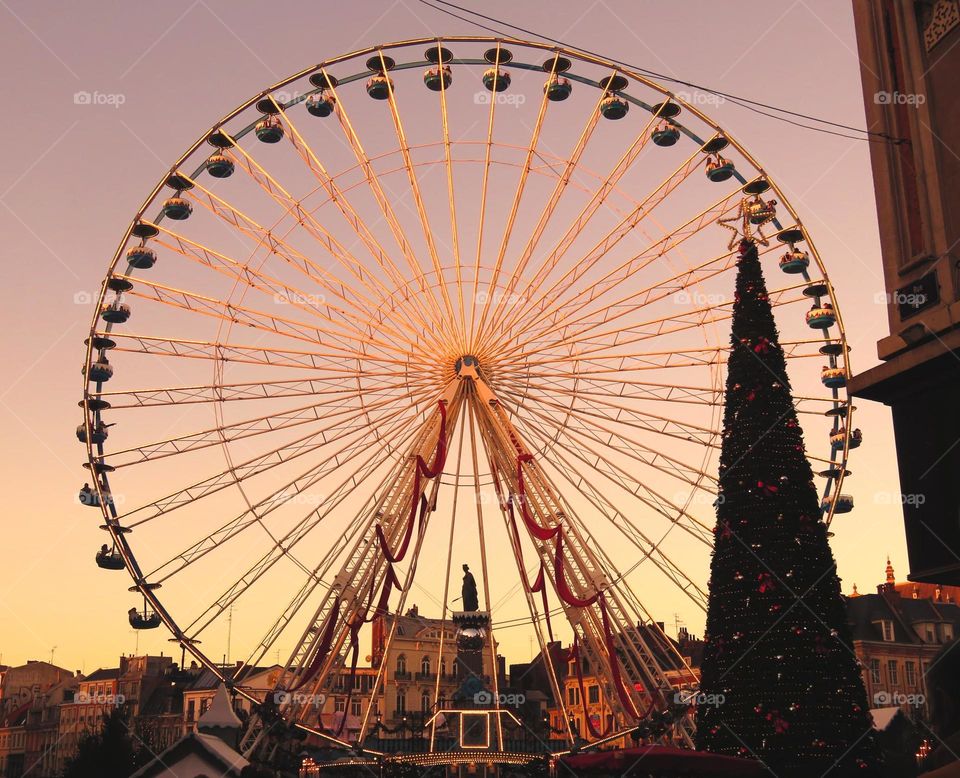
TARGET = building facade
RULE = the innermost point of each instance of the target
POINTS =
(895, 637)
(909, 52)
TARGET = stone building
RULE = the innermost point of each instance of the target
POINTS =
(909, 53)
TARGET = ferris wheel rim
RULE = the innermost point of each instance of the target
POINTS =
(95, 451)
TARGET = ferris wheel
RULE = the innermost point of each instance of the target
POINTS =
(435, 298)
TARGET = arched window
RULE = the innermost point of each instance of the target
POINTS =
(424, 702)
(401, 664)
(425, 665)
(443, 667)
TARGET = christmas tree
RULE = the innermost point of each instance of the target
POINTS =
(779, 681)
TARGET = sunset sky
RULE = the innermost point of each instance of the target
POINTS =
(74, 174)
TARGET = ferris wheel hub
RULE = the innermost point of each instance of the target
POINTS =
(467, 366)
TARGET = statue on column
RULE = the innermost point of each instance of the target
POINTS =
(469, 591)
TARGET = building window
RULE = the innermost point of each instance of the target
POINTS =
(443, 667)
(191, 710)
(401, 702)
(425, 665)
(593, 694)
(339, 705)
(355, 708)
(947, 632)
(910, 673)
(931, 637)
(424, 702)
(892, 671)
(887, 627)
(875, 671)
(401, 664)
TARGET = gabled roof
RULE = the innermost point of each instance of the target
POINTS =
(208, 680)
(103, 674)
(222, 759)
(866, 611)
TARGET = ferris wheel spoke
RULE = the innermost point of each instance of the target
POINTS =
(362, 566)
(337, 196)
(254, 390)
(386, 209)
(587, 386)
(282, 250)
(325, 308)
(591, 424)
(552, 261)
(518, 194)
(560, 188)
(452, 197)
(260, 320)
(565, 299)
(649, 548)
(233, 352)
(307, 221)
(247, 470)
(484, 187)
(327, 412)
(613, 340)
(623, 478)
(452, 318)
(283, 547)
(612, 310)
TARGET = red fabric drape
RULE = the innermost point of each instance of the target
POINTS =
(421, 470)
(540, 585)
(563, 589)
(541, 533)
